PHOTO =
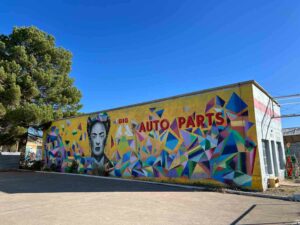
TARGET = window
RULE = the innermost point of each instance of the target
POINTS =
(267, 156)
(275, 161)
(280, 155)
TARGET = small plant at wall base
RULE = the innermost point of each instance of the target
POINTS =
(35, 86)
(74, 167)
(36, 165)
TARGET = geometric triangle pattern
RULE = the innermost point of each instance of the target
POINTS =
(221, 152)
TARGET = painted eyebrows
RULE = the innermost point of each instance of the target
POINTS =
(101, 133)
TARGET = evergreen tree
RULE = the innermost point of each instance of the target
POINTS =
(35, 86)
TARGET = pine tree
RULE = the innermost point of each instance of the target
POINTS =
(35, 86)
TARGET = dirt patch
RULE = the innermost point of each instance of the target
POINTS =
(286, 188)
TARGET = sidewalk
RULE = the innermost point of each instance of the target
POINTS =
(56, 198)
(286, 193)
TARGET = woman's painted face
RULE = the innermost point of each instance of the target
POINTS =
(98, 136)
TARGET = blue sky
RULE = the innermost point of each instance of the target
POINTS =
(126, 52)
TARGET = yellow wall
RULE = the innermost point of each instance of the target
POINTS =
(33, 150)
(220, 152)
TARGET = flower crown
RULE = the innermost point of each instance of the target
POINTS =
(100, 117)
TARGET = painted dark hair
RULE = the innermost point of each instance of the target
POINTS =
(99, 118)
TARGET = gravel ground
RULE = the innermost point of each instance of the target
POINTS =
(287, 188)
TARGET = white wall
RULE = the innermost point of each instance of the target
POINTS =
(269, 129)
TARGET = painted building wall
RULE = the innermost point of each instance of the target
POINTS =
(269, 136)
(33, 150)
(207, 138)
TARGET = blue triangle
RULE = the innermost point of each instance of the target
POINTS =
(230, 146)
(236, 104)
(219, 101)
(160, 112)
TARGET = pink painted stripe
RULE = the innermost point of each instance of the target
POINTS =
(264, 109)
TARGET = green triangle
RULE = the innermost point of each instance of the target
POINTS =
(207, 144)
(123, 145)
(192, 166)
(179, 170)
(183, 158)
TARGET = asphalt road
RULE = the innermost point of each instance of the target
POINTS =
(36, 198)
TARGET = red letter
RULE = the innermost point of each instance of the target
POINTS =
(219, 118)
(142, 127)
(209, 115)
(181, 121)
(190, 122)
(166, 126)
(149, 125)
(199, 120)
(155, 124)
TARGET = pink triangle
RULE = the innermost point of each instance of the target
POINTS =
(174, 127)
(140, 137)
(210, 104)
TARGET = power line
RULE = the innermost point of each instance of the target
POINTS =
(287, 115)
(290, 103)
(288, 96)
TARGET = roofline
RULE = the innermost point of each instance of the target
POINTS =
(290, 128)
(178, 96)
(291, 131)
(264, 91)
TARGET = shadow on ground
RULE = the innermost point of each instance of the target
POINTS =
(31, 182)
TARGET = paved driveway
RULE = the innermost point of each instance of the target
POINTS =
(36, 198)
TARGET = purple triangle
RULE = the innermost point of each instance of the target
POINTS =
(210, 104)
(186, 137)
(248, 125)
(174, 127)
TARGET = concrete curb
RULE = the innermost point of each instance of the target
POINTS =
(253, 194)
(228, 191)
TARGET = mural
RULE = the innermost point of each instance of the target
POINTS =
(33, 154)
(201, 137)
(33, 151)
(97, 129)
